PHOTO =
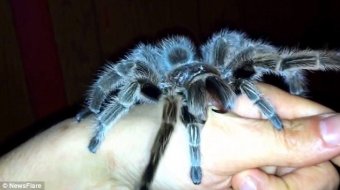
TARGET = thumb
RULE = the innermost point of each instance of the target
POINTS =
(304, 141)
(311, 178)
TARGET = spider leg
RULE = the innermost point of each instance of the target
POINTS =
(82, 114)
(108, 81)
(293, 63)
(196, 99)
(221, 47)
(194, 115)
(245, 56)
(249, 89)
(117, 107)
(296, 82)
(103, 87)
(220, 51)
(138, 81)
(290, 64)
(169, 120)
(194, 126)
(222, 96)
(240, 65)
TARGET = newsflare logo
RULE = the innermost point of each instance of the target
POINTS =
(37, 185)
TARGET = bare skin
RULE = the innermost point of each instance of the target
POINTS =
(231, 143)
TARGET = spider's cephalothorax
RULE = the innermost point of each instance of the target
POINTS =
(230, 65)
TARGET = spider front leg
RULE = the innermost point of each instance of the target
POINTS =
(249, 89)
(209, 91)
(194, 127)
(169, 119)
(194, 115)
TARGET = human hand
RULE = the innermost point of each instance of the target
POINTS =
(231, 143)
(322, 176)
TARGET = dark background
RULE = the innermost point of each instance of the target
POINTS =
(51, 50)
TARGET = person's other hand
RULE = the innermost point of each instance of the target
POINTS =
(322, 176)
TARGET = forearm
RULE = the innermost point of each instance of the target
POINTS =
(57, 157)
(60, 158)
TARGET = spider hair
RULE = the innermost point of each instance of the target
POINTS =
(230, 64)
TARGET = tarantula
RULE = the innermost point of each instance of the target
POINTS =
(229, 64)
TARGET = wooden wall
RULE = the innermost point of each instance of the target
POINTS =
(86, 32)
(15, 112)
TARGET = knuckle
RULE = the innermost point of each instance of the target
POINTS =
(290, 137)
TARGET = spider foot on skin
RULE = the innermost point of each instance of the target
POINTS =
(82, 114)
(276, 122)
(93, 145)
(96, 140)
(196, 174)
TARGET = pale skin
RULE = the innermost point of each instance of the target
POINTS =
(232, 144)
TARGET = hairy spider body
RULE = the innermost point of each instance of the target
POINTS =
(229, 65)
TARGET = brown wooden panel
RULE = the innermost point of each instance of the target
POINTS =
(78, 47)
(15, 107)
(123, 23)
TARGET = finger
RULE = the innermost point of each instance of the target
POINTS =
(336, 161)
(305, 141)
(322, 176)
(287, 106)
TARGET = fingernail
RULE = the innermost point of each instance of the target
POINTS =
(330, 130)
(248, 184)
